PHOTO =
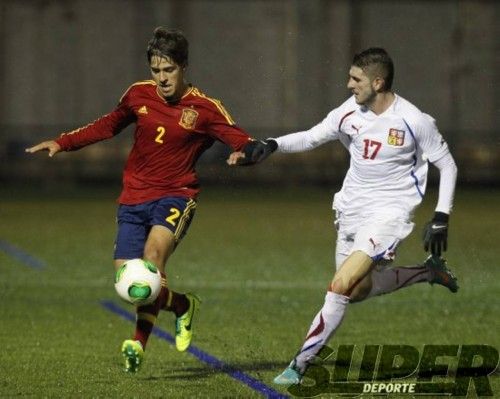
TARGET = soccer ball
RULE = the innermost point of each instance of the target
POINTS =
(138, 282)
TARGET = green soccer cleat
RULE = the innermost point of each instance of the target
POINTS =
(290, 376)
(184, 324)
(440, 274)
(133, 353)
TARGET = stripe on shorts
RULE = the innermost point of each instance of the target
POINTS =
(186, 215)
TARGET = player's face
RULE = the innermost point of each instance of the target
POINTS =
(361, 86)
(168, 76)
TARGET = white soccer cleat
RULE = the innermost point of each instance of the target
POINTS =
(290, 376)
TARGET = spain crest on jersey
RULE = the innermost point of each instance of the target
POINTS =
(188, 118)
(396, 137)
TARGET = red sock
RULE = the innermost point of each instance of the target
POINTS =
(175, 302)
(146, 315)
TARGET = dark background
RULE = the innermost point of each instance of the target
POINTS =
(278, 66)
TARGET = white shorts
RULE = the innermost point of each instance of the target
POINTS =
(378, 237)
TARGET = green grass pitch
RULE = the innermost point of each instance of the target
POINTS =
(260, 260)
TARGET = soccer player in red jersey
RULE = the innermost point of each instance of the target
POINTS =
(175, 123)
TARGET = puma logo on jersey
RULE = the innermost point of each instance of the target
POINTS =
(143, 110)
(375, 245)
(356, 128)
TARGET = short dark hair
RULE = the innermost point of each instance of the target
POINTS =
(380, 60)
(170, 43)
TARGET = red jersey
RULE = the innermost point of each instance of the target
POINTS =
(169, 139)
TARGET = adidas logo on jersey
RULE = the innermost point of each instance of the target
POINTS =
(143, 110)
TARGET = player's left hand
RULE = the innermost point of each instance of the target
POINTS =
(436, 234)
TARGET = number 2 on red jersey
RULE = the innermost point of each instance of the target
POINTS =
(161, 132)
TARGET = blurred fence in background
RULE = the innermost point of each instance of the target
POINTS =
(278, 66)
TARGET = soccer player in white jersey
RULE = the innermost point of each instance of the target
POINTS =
(390, 142)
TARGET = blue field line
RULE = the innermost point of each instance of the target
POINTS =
(20, 255)
(205, 357)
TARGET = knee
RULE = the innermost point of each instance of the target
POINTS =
(339, 287)
(159, 246)
(350, 287)
(154, 255)
(157, 255)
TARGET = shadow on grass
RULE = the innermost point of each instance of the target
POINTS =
(194, 373)
(255, 368)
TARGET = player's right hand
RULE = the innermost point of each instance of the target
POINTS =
(256, 151)
(51, 146)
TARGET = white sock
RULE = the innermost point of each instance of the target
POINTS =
(392, 279)
(323, 326)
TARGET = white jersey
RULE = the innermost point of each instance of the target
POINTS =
(389, 153)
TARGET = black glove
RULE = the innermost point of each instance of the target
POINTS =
(436, 234)
(256, 151)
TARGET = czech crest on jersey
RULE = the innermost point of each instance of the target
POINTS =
(188, 118)
(396, 137)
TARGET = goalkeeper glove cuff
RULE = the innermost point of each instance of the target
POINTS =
(441, 217)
